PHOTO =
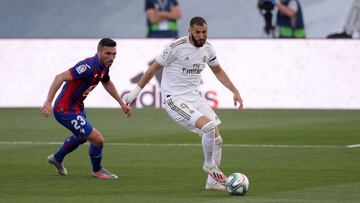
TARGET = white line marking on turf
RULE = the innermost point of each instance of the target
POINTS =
(188, 145)
(353, 146)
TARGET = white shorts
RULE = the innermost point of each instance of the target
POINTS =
(186, 111)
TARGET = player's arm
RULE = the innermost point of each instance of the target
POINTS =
(174, 14)
(289, 11)
(111, 89)
(56, 84)
(150, 72)
(225, 80)
(158, 16)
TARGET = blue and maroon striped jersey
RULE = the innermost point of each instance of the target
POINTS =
(85, 76)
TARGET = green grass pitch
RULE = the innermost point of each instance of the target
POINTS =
(288, 156)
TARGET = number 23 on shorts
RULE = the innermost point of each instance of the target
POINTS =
(78, 123)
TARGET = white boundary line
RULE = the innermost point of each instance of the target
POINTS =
(353, 146)
(191, 145)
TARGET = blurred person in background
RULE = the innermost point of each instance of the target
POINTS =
(162, 16)
(352, 25)
(289, 19)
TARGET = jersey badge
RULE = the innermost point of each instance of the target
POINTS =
(165, 54)
(82, 68)
(205, 59)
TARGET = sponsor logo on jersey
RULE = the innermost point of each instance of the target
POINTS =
(82, 68)
(196, 69)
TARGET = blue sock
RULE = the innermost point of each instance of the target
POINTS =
(70, 144)
(95, 152)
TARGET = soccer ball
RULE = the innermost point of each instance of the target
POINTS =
(237, 184)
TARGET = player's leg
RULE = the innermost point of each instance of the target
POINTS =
(187, 116)
(211, 183)
(95, 153)
(202, 106)
(71, 122)
(70, 144)
(217, 152)
(207, 127)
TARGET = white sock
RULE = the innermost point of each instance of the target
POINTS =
(208, 141)
(216, 156)
(217, 150)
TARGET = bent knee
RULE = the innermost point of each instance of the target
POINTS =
(208, 127)
(96, 138)
(100, 140)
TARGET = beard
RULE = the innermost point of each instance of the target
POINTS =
(197, 43)
(106, 64)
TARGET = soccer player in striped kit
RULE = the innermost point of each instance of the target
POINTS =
(183, 61)
(69, 107)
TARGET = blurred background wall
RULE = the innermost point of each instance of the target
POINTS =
(126, 18)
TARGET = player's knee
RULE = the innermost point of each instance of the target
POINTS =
(96, 138)
(208, 127)
(100, 140)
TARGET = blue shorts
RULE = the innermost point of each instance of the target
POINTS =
(76, 123)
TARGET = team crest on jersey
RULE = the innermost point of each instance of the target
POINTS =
(205, 59)
(82, 68)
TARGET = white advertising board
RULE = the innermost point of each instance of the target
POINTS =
(322, 74)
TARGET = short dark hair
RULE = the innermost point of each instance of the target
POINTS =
(106, 42)
(197, 21)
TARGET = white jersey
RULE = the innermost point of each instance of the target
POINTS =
(183, 64)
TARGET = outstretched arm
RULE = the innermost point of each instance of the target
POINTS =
(150, 72)
(56, 84)
(111, 89)
(225, 80)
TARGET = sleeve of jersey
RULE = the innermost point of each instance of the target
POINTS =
(165, 57)
(212, 59)
(176, 3)
(148, 5)
(80, 70)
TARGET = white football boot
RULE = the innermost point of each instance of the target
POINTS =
(215, 173)
(212, 184)
(61, 170)
(104, 174)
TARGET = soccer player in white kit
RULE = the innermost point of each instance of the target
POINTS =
(183, 61)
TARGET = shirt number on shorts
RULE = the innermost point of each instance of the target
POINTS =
(78, 123)
(184, 106)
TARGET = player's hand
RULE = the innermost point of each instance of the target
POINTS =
(127, 110)
(130, 97)
(237, 99)
(46, 109)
